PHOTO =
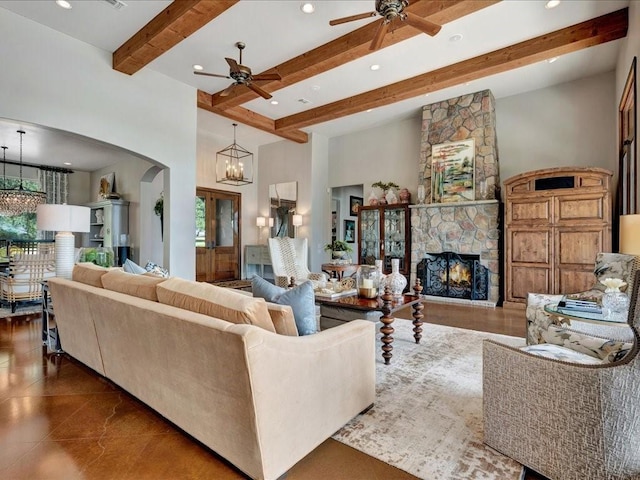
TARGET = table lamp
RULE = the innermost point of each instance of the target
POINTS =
(297, 221)
(630, 234)
(63, 219)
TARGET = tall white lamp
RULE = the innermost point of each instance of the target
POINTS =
(630, 234)
(297, 221)
(63, 219)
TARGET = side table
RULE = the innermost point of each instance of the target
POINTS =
(50, 337)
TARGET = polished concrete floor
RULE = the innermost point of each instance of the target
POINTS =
(60, 420)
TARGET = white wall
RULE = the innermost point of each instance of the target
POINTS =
(342, 195)
(571, 124)
(53, 80)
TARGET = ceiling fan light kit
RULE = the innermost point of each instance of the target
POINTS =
(242, 76)
(234, 164)
(391, 11)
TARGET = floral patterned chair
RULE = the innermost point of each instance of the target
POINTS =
(607, 343)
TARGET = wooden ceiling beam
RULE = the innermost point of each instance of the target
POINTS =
(175, 23)
(252, 119)
(352, 46)
(587, 34)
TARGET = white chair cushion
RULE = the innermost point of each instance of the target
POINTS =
(563, 354)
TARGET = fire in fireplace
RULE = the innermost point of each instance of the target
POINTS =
(453, 275)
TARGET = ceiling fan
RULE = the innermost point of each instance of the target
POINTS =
(241, 75)
(390, 11)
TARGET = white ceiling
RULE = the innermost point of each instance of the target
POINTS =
(275, 31)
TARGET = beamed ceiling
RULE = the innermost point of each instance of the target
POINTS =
(181, 19)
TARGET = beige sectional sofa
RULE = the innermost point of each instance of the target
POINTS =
(262, 400)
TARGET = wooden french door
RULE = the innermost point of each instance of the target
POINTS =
(217, 235)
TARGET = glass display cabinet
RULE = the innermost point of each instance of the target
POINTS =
(384, 233)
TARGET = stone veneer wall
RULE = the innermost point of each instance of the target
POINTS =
(466, 227)
(462, 118)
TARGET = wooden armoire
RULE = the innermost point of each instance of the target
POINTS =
(556, 221)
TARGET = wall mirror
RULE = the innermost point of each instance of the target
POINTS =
(282, 201)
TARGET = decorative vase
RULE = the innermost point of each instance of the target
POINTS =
(338, 254)
(391, 197)
(615, 303)
(368, 281)
(405, 195)
(422, 194)
(373, 199)
(395, 280)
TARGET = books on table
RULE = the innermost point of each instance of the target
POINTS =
(572, 306)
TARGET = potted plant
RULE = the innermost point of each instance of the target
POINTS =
(338, 248)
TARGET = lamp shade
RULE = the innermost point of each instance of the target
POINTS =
(296, 220)
(261, 222)
(63, 218)
(630, 234)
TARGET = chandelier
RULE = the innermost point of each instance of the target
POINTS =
(16, 201)
(234, 164)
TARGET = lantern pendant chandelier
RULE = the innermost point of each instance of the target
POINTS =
(234, 164)
(16, 201)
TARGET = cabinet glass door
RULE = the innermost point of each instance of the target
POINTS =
(395, 235)
(369, 221)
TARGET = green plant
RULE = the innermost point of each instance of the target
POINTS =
(338, 246)
(159, 206)
(385, 186)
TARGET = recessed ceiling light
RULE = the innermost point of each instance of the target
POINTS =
(455, 38)
(64, 4)
(552, 4)
(375, 67)
(308, 7)
(198, 67)
(274, 102)
(67, 163)
(552, 59)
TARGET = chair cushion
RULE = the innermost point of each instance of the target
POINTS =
(300, 298)
(219, 302)
(563, 354)
(88, 273)
(141, 286)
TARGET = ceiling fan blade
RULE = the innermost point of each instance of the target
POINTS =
(227, 90)
(420, 23)
(264, 94)
(233, 65)
(266, 76)
(377, 39)
(211, 74)
(360, 16)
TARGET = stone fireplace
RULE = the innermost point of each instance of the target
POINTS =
(469, 227)
(451, 275)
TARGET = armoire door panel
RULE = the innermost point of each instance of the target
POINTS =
(528, 279)
(577, 247)
(530, 246)
(538, 211)
(573, 281)
(583, 208)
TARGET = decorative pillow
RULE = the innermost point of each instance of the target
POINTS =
(219, 302)
(562, 354)
(300, 298)
(141, 286)
(88, 273)
(613, 265)
(156, 270)
(130, 266)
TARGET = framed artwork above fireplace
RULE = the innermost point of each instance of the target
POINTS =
(452, 172)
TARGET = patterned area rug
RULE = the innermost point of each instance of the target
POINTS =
(427, 418)
(5, 312)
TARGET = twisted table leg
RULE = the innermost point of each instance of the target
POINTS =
(386, 329)
(417, 313)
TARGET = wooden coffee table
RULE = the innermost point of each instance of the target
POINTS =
(387, 304)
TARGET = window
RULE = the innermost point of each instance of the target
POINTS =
(19, 227)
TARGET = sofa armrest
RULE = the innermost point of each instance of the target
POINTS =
(308, 387)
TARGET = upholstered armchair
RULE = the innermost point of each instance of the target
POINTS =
(565, 420)
(27, 269)
(289, 260)
(540, 326)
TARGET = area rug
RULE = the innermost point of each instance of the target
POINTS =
(427, 417)
(237, 284)
(21, 310)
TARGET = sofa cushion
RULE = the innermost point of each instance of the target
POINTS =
(220, 302)
(300, 298)
(141, 286)
(88, 273)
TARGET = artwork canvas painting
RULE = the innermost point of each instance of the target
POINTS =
(452, 172)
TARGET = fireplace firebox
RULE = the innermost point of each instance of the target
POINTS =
(453, 275)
